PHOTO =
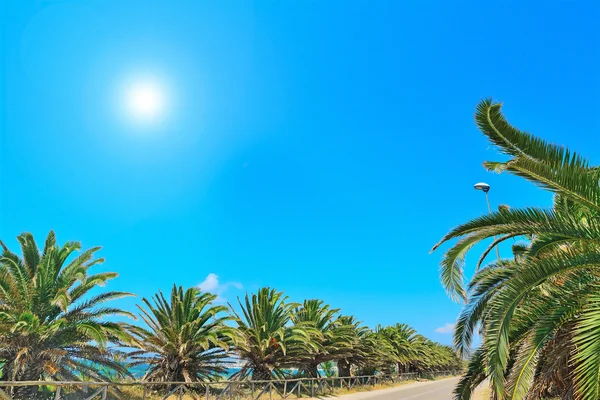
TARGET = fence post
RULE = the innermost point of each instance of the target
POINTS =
(57, 395)
(312, 388)
(207, 390)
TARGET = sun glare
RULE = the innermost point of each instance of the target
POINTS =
(145, 101)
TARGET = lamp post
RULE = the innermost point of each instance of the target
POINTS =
(485, 188)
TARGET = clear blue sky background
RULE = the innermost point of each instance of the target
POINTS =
(319, 147)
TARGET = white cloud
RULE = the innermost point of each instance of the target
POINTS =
(447, 328)
(211, 284)
(236, 285)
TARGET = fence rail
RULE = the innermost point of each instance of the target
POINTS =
(294, 388)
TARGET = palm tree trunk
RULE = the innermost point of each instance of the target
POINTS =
(402, 368)
(387, 369)
(312, 371)
(28, 392)
(261, 374)
(343, 368)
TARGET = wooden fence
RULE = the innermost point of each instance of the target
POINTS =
(222, 390)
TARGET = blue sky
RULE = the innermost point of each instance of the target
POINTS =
(319, 147)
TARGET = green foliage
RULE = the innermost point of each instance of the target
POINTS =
(331, 338)
(403, 345)
(328, 369)
(51, 327)
(269, 343)
(412, 352)
(279, 336)
(187, 338)
(369, 352)
(538, 313)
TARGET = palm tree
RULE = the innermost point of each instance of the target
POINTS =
(368, 350)
(269, 342)
(333, 339)
(430, 356)
(328, 369)
(187, 339)
(404, 340)
(401, 339)
(50, 325)
(538, 313)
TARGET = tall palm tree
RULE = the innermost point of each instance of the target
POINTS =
(187, 338)
(269, 342)
(51, 327)
(538, 313)
(332, 338)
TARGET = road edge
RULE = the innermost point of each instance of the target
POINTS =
(377, 392)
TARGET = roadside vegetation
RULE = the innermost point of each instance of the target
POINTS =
(538, 311)
(136, 393)
(57, 324)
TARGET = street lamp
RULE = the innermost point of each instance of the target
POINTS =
(486, 188)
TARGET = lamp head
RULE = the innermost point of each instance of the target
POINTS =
(482, 186)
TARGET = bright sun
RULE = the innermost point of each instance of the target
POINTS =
(145, 100)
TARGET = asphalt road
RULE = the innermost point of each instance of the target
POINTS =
(434, 390)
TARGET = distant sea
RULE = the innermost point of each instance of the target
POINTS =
(140, 370)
